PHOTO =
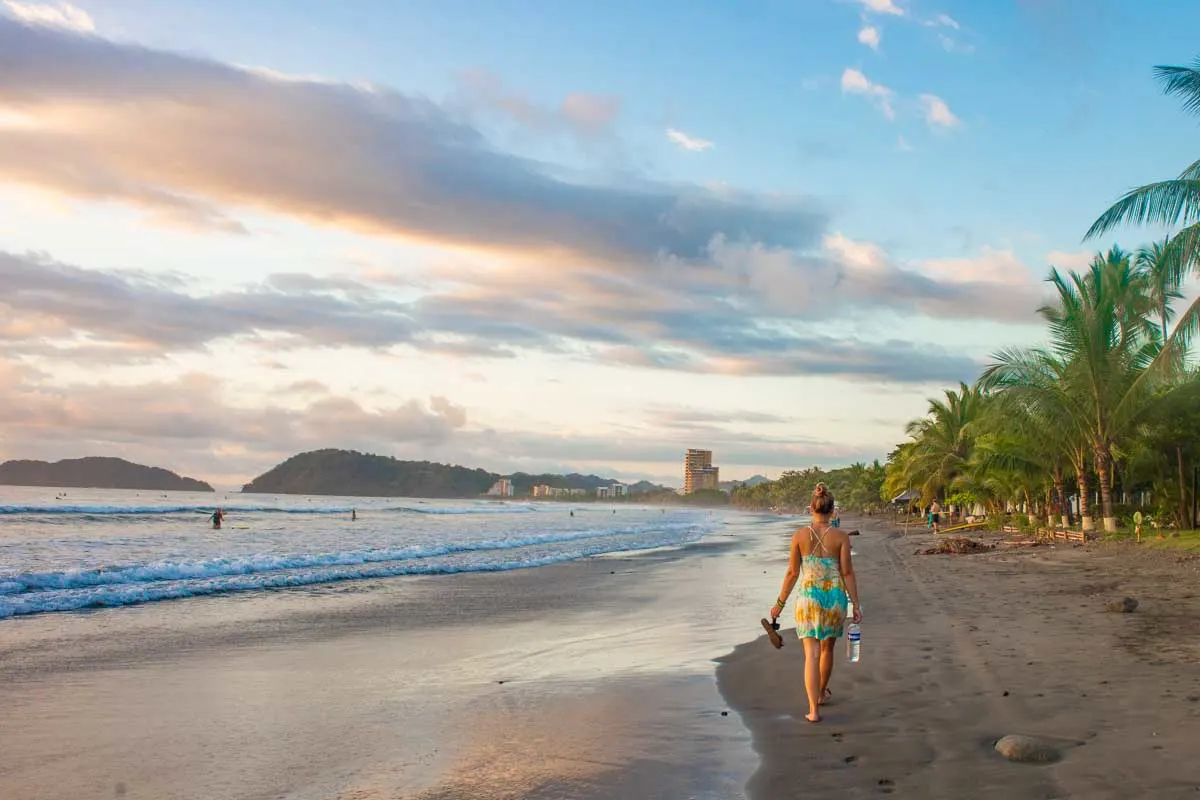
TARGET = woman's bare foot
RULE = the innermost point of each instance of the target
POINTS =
(813, 717)
(825, 695)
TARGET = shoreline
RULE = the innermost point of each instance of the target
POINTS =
(959, 651)
(584, 678)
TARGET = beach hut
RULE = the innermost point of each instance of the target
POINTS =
(907, 497)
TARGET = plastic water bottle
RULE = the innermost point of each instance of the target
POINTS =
(853, 640)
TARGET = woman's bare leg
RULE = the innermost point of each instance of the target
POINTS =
(827, 648)
(812, 678)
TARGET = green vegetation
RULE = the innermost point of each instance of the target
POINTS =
(96, 473)
(1107, 409)
(352, 474)
(856, 487)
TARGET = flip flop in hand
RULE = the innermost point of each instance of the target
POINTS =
(772, 628)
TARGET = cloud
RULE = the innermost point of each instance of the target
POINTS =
(192, 424)
(951, 45)
(193, 417)
(902, 145)
(581, 113)
(688, 142)
(869, 35)
(936, 112)
(1073, 261)
(44, 299)
(945, 20)
(746, 310)
(855, 82)
(882, 7)
(58, 15)
(184, 135)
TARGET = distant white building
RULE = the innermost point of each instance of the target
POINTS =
(603, 492)
(620, 490)
(501, 488)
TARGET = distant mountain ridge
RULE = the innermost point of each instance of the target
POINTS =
(353, 474)
(729, 486)
(96, 472)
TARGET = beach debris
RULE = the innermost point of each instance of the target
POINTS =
(853, 533)
(1126, 605)
(957, 545)
(724, 713)
(1027, 749)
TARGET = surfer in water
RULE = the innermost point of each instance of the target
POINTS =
(216, 518)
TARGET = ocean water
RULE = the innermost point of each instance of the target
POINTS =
(64, 550)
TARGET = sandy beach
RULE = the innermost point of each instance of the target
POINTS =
(961, 650)
(595, 679)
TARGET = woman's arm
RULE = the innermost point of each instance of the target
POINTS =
(790, 578)
(846, 563)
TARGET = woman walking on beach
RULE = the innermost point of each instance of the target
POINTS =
(820, 558)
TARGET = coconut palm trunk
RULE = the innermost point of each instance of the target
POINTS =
(1060, 496)
(1104, 475)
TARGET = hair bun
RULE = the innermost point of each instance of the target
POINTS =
(820, 491)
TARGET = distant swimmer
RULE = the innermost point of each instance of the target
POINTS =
(216, 518)
(572, 513)
(353, 515)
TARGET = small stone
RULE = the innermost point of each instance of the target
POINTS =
(1027, 749)
(724, 713)
(1126, 605)
(1006, 693)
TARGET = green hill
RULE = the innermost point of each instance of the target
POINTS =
(96, 473)
(350, 473)
(353, 474)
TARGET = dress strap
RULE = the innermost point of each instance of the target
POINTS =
(818, 539)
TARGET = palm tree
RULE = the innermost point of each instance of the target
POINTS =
(1170, 203)
(1161, 265)
(942, 440)
(1036, 380)
(1100, 372)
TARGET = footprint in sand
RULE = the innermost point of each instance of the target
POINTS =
(850, 759)
(887, 785)
(837, 737)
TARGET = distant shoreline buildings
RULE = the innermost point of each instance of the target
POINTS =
(699, 473)
(544, 490)
(501, 488)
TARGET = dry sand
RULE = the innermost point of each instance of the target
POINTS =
(961, 650)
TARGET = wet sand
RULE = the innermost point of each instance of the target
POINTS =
(590, 679)
(961, 650)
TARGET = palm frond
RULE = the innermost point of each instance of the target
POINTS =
(1183, 82)
(1168, 203)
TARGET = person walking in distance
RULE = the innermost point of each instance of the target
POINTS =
(935, 515)
(820, 559)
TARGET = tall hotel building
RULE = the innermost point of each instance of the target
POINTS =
(699, 472)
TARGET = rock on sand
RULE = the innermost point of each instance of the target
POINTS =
(1125, 605)
(1027, 749)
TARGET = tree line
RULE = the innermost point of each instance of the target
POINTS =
(1107, 408)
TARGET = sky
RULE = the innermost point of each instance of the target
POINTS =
(547, 236)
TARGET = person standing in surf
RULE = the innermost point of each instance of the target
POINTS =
(217, 518)
(820, 559)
